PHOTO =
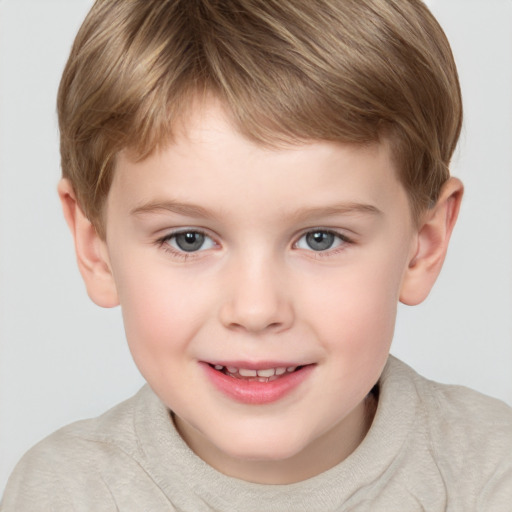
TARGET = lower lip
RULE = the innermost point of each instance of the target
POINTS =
(254, 392)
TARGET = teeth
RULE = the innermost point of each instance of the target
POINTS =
(263, 375)
(266, 373)
(247, 373)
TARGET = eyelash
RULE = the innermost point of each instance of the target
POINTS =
(181, 255)
(184, 255)
(344, 243)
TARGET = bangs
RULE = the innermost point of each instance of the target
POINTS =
(285, 71)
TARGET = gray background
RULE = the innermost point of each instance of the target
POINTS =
(62, 358)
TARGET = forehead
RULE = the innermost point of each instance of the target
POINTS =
(209, 162)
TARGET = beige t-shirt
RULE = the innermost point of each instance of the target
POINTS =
(431, 448)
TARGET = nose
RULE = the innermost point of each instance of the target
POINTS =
(257, 298)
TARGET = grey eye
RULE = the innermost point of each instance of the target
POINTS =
(190, 241)
(319, 241)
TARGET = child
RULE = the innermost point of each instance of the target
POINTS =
(258, 183)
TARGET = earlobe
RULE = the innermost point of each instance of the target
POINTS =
(432, 244)
(91, 250)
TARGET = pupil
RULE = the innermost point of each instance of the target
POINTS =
(320, 240)
(189, 242)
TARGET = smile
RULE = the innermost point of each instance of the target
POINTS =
(257, 386)
(263, 375)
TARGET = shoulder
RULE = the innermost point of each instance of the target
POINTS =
(457, 410)
(471, 435)
(112, 430)
(464, 417)
(54, 473)
(468, 434)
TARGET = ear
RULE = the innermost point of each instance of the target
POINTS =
(91, 250)
(433, 236)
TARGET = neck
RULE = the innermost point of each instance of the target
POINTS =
(325, 452)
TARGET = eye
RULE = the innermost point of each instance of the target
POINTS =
(189, 241)
(321, 240)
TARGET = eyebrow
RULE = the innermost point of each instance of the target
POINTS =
(196, 211)
(349, 208)
(185, 209)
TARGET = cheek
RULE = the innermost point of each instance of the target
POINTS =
(161, 311)
(356, 308)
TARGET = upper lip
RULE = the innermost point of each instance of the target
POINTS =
(256, 365)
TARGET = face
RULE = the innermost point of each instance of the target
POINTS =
(259, 290)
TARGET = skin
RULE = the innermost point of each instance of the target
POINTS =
(256, 290)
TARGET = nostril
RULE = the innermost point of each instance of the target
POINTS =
(254, 314)
(255, 326)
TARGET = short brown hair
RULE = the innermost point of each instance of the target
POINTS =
(286, 70)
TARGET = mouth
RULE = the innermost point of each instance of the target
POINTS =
(253, 375)
(257, 386)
